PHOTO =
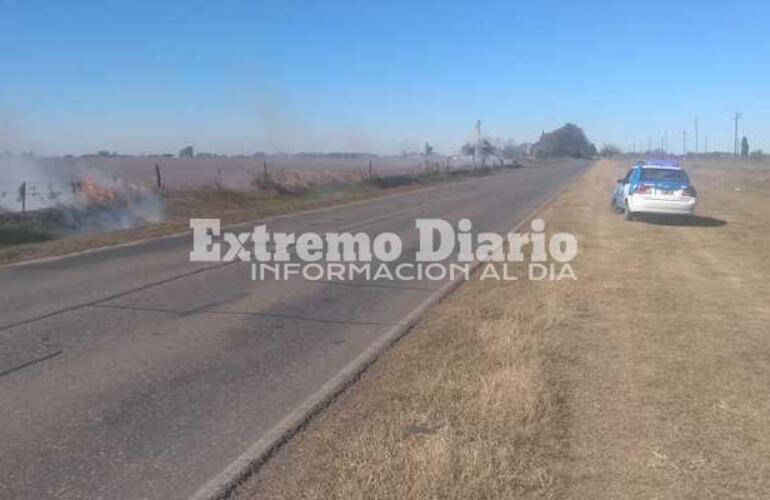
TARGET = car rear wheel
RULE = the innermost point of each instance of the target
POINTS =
(627, 213)
(614, 205)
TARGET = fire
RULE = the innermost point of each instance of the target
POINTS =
(95, 194)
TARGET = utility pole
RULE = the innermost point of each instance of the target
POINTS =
(736, 117)
(706, 145)
(684, 143)
(696, 135)
(23, 196)
(477, 141)
(665, 141)
(158, 178)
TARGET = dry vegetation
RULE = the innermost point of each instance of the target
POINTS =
(460, 408)
(646, 378)
(283, 192)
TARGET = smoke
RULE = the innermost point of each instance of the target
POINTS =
(13, 134)
(282, 127)
(105, 204)
(70, 198)
(44, 187)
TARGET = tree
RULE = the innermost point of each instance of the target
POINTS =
(485, 149)
(469, 149)
(610, 150)
(187, 152)
(428, 149)
(744, 147)
(482, 150)
(567, 141)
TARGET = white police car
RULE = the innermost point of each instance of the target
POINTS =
(655, 187)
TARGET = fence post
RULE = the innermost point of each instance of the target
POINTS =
(158, 178)
(23, 196)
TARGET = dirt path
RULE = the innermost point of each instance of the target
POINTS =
(646, 378)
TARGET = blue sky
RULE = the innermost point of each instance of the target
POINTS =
(237, 77)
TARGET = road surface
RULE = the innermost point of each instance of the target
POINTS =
(134, 373)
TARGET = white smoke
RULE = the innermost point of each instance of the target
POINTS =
(74, 198)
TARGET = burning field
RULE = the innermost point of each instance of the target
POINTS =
(84, 206)
(101, 208)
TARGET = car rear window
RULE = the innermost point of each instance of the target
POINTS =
(663, 174)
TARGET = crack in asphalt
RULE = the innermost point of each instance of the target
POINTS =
(30, 363)
(111, 297)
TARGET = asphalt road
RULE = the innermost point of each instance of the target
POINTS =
(134, 373)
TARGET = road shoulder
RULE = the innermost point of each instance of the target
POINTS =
(600, 387)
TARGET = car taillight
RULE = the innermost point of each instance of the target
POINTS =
(689, 191)
(643, 189)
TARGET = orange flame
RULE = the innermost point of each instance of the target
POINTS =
(97, 195)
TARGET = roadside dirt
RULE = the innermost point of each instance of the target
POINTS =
(645, 378)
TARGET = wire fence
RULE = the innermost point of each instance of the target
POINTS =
(22, 195)
(46, 193)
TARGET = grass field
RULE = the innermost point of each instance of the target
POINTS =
(645, 378)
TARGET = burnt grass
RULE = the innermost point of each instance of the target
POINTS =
(58, 222)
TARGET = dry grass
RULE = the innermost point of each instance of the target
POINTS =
(301, 181)
(461, 408)
(668, 366)
(284, 191)
(646, 378)
(228, 205)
